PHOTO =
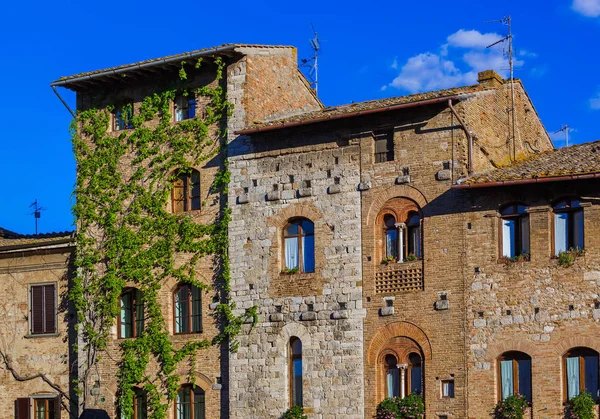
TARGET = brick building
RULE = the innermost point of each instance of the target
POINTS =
(36, 331)
(391, 247)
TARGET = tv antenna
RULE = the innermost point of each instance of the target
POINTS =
(36, 213)
(506, 21)
(313, 62)
(565, 129)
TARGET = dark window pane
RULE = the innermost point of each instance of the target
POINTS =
(389, 221)
(307, 227)
(308, 249)
(524, 369)
(292, 229)
(591, 375)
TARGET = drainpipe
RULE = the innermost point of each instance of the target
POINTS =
(63, 102)
(468, 134)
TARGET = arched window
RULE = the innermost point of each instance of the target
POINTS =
(185, 194)
(391, 237)
(580, 366)
(185, 107)
(189, 403)
(414, 374)
(515, 231)
(392, 376)
(413, 230)
(140, 408)
(131, 318)
(299, 245)
(568, 226)
(295, 367)
(514, 375)
(188, 309)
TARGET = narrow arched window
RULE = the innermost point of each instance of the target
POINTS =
(515, 231)
(188, 309)
(414, 373)
(392, 376)
(299, 245)
(514, 375)
(391, 237)
(185, 193)
(123, 117)
(413, 234)
(295, 367)
(580, 366)
(131, 318)
(568, 226)
(189, 403)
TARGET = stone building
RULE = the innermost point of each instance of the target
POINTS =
(260, 82)
(410, 245)
(36, 331)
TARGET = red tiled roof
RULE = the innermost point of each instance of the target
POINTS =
(576, 161)
(10, 239)
(352, 109)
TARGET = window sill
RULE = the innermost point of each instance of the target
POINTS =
(41, 335)
(298, 275)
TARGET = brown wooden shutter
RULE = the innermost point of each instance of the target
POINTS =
(37, 309)
(22, 408)
(50, 308)
(57, 407)
(178, 196)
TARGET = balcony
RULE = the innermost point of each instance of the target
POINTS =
(395, 278)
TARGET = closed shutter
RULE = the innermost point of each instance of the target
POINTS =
(50, 309)
(22, 408)
(384, 146)
(37, 309)
(57, 407)
(178, 196)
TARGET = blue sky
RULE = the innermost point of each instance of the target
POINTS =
(369, 50)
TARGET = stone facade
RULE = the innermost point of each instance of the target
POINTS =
(25, 263)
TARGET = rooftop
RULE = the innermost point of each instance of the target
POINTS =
(581, 161)
(11, 240)
(363, 108)
(149, 67)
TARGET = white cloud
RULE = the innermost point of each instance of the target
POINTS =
(472, 39)
(395, 64)
(456, 63)
(595, 101)
(589, 8)
(526, 53)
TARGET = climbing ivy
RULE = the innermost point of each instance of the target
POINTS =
(126, 236)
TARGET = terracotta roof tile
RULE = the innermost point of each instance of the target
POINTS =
(9, 238)
(576, 160)
(334, 112)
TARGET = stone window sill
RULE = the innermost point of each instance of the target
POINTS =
(41, 335)
(298, 275)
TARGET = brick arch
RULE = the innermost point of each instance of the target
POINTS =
(201, 380)
(295, 329)
(575, 342)
(396, 191)
(397, 329)
(305, 210)
(497, 349)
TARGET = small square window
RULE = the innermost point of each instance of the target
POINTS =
(185, 107)
(447, 389)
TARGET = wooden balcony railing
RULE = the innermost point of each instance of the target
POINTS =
(399, 277)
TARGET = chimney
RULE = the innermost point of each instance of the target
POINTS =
(489, 78)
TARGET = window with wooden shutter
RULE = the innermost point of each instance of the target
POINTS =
(384, 146)
(185, 193)
(42, 309)
(22, 408)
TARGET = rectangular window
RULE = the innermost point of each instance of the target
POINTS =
(384, 146)
(37, 408)
(42, 309)
(122, 117)
(185, 107)
(448, 388)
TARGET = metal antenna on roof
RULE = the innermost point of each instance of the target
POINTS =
(506, 20)
(313, 62)
(36, 213)
(566, 129)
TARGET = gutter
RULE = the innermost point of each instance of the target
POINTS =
(347, 115)
(37, 246)
(469, 137)
(526, 181)
(180, 57)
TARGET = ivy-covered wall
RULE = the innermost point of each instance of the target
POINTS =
(128, 237)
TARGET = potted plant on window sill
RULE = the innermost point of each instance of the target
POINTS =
(581, 406)
(388, 259)
(411, 257)
(523, 257)
(290, 271)
(567, 258)
(513, 407)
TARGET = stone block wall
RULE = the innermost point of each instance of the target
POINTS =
(323, 309)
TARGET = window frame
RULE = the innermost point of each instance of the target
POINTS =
(190, 304)
(450, 384)
(31, 316)
(190, 388)
(515, 357)
(188, 187)
(379, 137)
(570, 210)
(135, 305)
(30, 411)
(190, 98)
(292, 356)
(402, 252)
(117, 116)
(299, 236)
(580, 350)
(518, 218)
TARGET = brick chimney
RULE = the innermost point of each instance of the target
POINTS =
(489, 78)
